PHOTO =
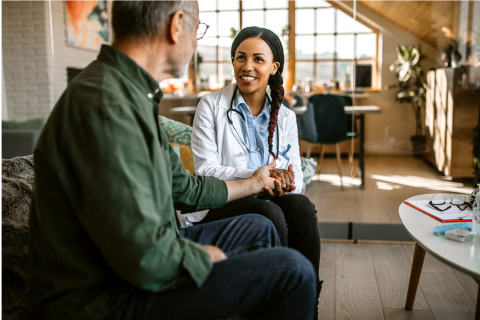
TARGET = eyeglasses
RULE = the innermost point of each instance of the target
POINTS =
(458, 200)
(202, 27)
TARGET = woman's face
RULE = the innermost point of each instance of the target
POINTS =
(253, 64)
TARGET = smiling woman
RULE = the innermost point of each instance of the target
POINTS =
(242, 128)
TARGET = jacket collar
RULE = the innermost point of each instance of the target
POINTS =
(130, 69)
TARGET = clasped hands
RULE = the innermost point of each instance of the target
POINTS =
(284, 181)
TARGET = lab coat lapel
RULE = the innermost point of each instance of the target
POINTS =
(224, 103)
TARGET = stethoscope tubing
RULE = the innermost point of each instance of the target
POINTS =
(231, 109)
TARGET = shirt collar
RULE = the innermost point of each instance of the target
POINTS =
(141, 78)
(242, 105)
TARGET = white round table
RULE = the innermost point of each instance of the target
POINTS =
(461, 256)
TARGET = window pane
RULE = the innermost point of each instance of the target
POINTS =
(285, 72)
(252, 4)
(304, 73)
(359, 27)
(305, 48)
(227, 21)
(311, 3)
(324, 73)
(225, 44)
(366, 46)
(304, 21)
(276, 20)
(226, 74)
(208, 76)
(253, 18)
(207, 5)
(209, 18)
(344, 22)
(228, 5)
(207, 49)
(271, 4)
(345, 47)
(326, 20)
(325, 47)
(344, 72)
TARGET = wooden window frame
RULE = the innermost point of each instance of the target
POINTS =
(292, 45)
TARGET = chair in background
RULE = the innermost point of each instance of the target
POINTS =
(324, 122)
(352, 131)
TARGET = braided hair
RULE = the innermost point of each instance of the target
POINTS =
(274, 81)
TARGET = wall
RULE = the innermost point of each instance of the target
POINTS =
(4, 94)
(65, 56)
(25, 60)
(34, 77)
(398, 120)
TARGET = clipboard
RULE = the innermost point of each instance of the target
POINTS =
(422, 206)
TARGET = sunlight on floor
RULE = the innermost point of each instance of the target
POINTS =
(394, 182)
(334, 179)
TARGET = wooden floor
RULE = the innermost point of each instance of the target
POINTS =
(389, 181)
(368, 281)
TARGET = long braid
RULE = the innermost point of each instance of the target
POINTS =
(275, 81)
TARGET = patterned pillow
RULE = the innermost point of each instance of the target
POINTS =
(309, 168)
(177, 132)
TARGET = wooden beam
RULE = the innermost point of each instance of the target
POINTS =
(291, 46)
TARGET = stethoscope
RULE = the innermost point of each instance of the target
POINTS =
(278, 161)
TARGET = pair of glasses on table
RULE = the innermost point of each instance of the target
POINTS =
(461, 201)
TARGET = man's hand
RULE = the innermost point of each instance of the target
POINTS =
(216, 254)
(263, 175)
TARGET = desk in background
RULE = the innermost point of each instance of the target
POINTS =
(359, 113)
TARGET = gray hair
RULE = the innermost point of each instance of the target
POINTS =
(144, 19)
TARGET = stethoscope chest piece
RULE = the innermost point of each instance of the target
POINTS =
(278, 163)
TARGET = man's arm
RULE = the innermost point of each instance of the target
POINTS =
(256, 184)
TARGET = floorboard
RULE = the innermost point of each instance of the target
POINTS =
(470, 286)
(402, 314)
(327, 257)
(356, 289)
(326, 305)
(430, 265)
(446, 297)
(392, 271)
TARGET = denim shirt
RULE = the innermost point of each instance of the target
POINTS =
(257, 130)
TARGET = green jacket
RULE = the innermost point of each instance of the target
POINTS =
(107, 184)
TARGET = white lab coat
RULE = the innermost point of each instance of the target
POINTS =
(218, 151)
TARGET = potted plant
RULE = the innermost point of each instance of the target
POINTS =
(411, 89)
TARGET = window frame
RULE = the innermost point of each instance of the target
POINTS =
(291, 59)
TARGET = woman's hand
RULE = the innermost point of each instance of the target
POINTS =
(286, 177)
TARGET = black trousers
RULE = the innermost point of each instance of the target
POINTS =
(293, 215)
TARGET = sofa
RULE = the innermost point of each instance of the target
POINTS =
(19, 138)
(17, 186)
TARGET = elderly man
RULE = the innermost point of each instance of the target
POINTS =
(104, 242)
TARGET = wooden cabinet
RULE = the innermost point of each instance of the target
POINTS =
(452, 111)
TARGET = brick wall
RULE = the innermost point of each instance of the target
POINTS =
(25, 59)
(34, 78)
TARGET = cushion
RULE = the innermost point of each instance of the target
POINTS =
(17, 184)
(34, 124)
(309, 168)
(185, 153)
(177, 132)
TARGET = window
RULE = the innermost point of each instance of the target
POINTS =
(325, 41)
(329, 43)
(226, 18)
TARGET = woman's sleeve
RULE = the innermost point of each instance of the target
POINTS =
(292, 140)
(206, 159)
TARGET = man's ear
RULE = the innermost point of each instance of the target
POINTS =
(176, 26)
